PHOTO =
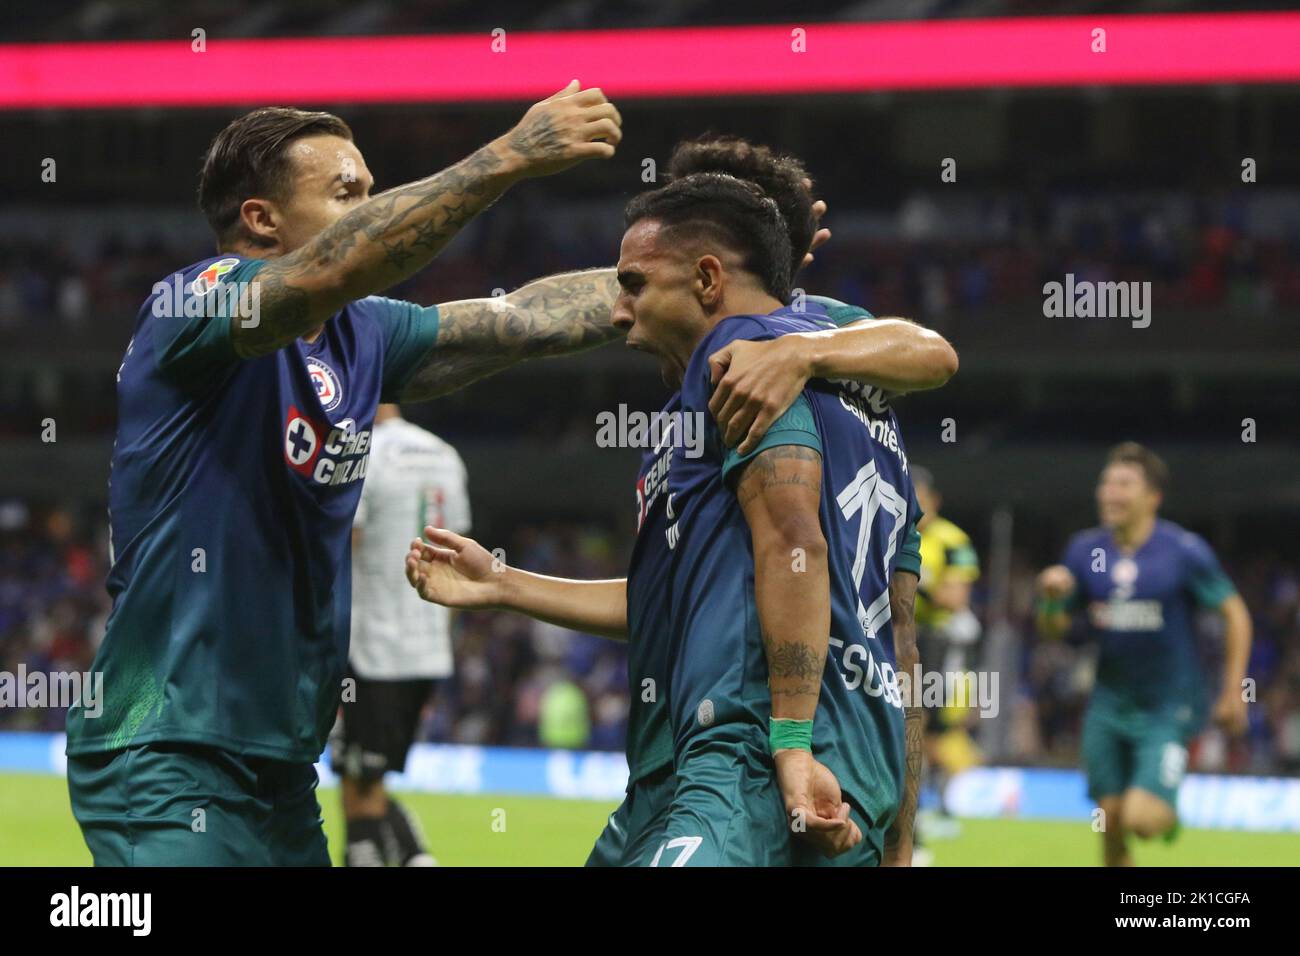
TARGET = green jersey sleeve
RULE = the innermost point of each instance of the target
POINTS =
(841, 313)
(191, 337)
(909, 555)
(410, 332)
(796, 426)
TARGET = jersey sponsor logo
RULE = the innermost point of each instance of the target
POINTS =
(872, 409)
(1120, 615)
(650, 484)
(211, 277)
(328, 388)
(347, 455)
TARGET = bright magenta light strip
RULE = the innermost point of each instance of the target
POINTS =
(1043, 51)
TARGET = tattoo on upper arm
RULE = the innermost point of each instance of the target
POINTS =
(557, 315)
(282, 304)
(772, 468)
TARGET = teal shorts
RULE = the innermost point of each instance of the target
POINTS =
(637, 825)
(1124, 747)
(168, 804)
(727, 810)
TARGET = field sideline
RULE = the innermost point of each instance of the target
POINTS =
(37, 829)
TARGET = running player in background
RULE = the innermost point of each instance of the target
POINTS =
(1138, 580)
(947, 633)
(400, 644)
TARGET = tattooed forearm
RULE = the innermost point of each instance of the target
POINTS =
(792, 659)
(557, 315)
(898, 838)
(379, 243)
(779, 491)
(902, 607)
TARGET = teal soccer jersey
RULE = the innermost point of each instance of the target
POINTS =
(232, 492)
(649, 739)
(718, 671)
(1140, 610)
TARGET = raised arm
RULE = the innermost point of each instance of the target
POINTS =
(458, 572)
(394, 235)
(779, 491)
(557, 315)
(902, 610)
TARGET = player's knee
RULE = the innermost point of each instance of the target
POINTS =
(1147, 818)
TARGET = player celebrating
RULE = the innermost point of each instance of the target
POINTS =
(1140, 579)
(244, 433)
(400, 644)
(661, 304)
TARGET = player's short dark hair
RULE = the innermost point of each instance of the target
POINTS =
(782, 177)
(249, 158)
(922, 476)
(716, 208)
(1153, 466)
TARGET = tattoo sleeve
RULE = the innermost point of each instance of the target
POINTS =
(902, 607)
(779, 492)
(376, 245)
(557, 315)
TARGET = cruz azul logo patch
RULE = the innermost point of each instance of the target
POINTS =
(302, 441)
(326, 454)
(211, 277)
(326, 383)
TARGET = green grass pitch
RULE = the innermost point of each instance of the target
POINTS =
(37, 829)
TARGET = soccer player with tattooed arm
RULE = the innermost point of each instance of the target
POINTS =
(244, 430)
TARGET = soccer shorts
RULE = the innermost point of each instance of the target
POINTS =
(636, 827)
(378, 726)
(726, 809)
(172, 804)
(1124, 747)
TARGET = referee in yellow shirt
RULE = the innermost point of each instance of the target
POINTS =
(947, 630)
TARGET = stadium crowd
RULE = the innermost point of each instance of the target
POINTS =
(519, 682)
(928, 256)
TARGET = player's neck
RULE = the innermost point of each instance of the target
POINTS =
(1131, 537)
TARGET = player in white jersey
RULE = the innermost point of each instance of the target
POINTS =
(400, 644)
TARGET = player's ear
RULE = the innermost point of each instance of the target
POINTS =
(261, 220)
(708, 280)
